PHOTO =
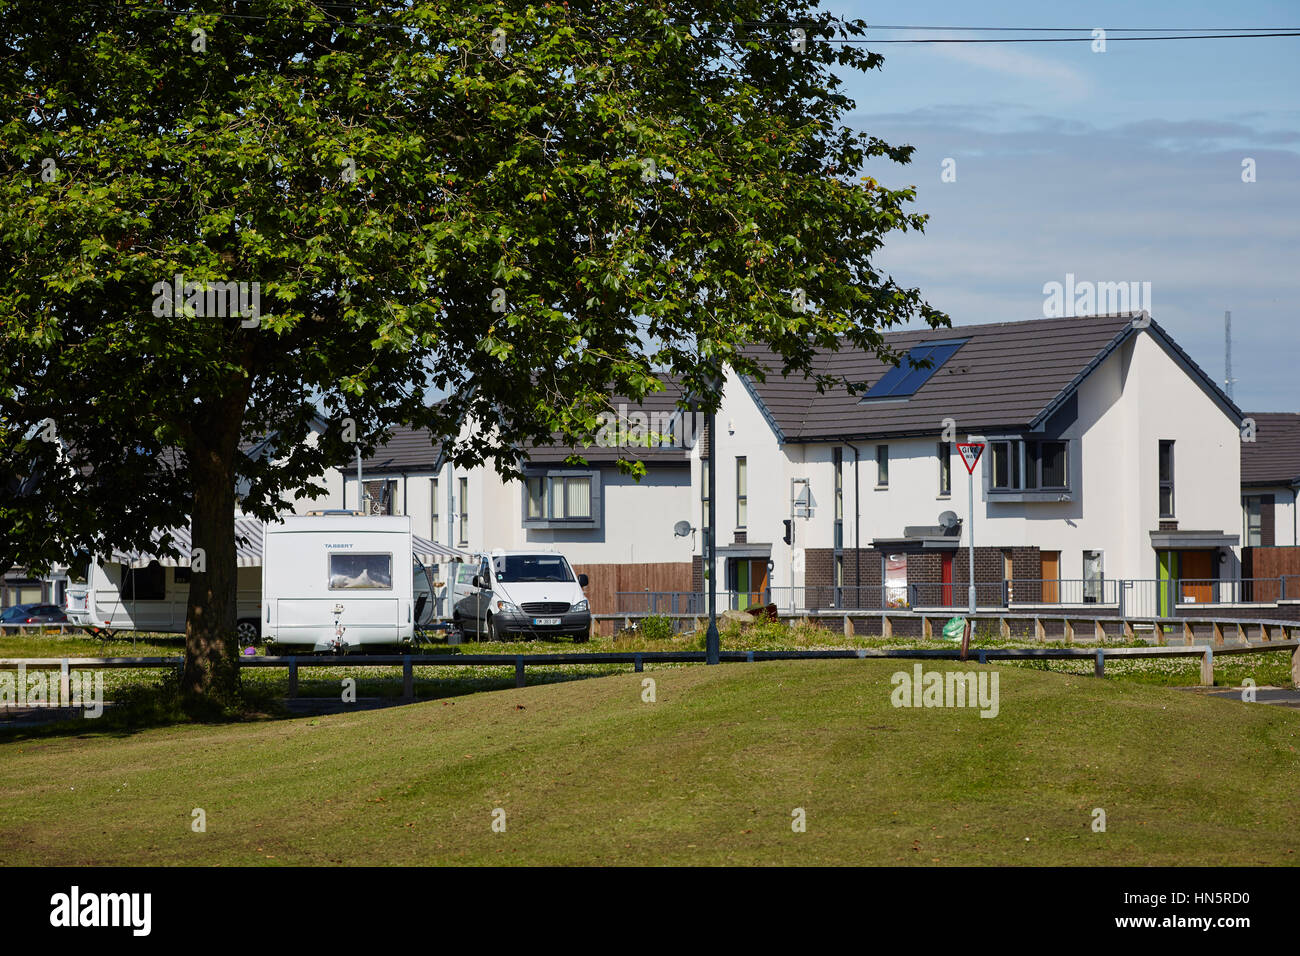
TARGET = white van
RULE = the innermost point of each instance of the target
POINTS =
(338, 582)
(531, 594)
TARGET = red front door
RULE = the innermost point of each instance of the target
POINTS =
(946, 578)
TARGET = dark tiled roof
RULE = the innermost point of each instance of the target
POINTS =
(1003, 378)
(658, 403)
(413, 450)
(1274, 456)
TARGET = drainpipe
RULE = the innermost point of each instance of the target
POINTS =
(857, 515)
(361, 489)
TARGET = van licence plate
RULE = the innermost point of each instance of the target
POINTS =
(546, 621)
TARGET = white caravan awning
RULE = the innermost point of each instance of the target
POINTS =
(248, 548)
(431, 552)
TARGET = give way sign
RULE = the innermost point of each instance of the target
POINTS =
(970, 454)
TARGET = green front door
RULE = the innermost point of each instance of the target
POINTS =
(1168, 562)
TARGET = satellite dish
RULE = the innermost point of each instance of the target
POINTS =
(682, 529)
(949, 520)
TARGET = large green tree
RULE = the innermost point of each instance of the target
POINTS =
(519, 206)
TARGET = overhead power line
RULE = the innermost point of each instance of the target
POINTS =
(708, 28)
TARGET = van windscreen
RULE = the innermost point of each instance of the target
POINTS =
(350, 572)
(514, 568)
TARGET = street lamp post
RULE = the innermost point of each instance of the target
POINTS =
(711, 640)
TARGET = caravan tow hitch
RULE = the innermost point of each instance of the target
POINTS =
(340, 646)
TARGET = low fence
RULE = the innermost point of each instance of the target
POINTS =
(1125, 597)
(520, 662)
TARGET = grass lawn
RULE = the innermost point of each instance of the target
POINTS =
(587, 772)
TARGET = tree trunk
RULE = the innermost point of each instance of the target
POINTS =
(210, 682)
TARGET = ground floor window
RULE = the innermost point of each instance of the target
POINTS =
(896, 580)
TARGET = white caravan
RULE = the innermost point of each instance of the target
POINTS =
(141, 591)
(338, 582)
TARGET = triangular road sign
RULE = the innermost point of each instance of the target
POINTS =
(970, 454)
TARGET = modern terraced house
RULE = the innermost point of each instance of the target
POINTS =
(1109, 455)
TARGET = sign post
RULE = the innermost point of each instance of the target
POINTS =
(970, 456)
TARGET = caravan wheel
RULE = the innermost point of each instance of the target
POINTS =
(249, 632)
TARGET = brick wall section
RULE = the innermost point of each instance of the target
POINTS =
(1027, 565)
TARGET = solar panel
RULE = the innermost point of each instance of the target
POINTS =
(904, 380)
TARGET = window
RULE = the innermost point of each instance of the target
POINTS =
(1254, 530)
(742, 494)
(1045, 465)
(559, 497)
(882, 466)
(1093, 578)
(435, 513)
(903, 380)
(463, 535)
(945, 469)
(516, 568)
(380, 496)
(704, 493)
(1030, 466)
(1006, 465)
(1166, 479)
(144, 584)
(361, 572)
(837, 461)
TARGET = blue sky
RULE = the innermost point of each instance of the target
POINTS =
(1116, 166)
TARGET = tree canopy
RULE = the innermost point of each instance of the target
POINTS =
(519, 207)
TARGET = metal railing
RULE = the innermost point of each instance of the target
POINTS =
(1131, 597)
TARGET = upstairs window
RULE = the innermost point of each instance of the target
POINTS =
(882, 466)
(1025, 465)
(1166, 479)
(559, 497)
(945, 469)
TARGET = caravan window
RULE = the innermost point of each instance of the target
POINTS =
(350, 572)
(144, 584)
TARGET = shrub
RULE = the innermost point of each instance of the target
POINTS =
(656, 627)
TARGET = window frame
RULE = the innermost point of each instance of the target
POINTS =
(944, 453)
(882, 466)
(560, 478)
(1166, 483)
(742, 492)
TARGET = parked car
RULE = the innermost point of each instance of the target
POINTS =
(31, 614)
(531, 594)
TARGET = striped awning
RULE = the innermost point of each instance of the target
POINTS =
(431, 552)
(248, 548)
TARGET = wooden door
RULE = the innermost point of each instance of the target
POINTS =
(1197, 570)
(945, 576)
(1051, 576)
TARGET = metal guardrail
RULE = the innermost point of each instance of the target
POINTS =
(638, 659)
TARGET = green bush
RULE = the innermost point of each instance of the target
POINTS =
(656, 627)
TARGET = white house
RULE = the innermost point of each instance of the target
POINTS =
(1270, 479)
(614, 528)
(1109, 455)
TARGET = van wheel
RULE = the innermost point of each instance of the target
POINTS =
(249, 632)
(492, 634)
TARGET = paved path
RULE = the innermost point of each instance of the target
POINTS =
(1277, 696)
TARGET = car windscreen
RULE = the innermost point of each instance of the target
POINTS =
(365, 572)
(516, 568)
